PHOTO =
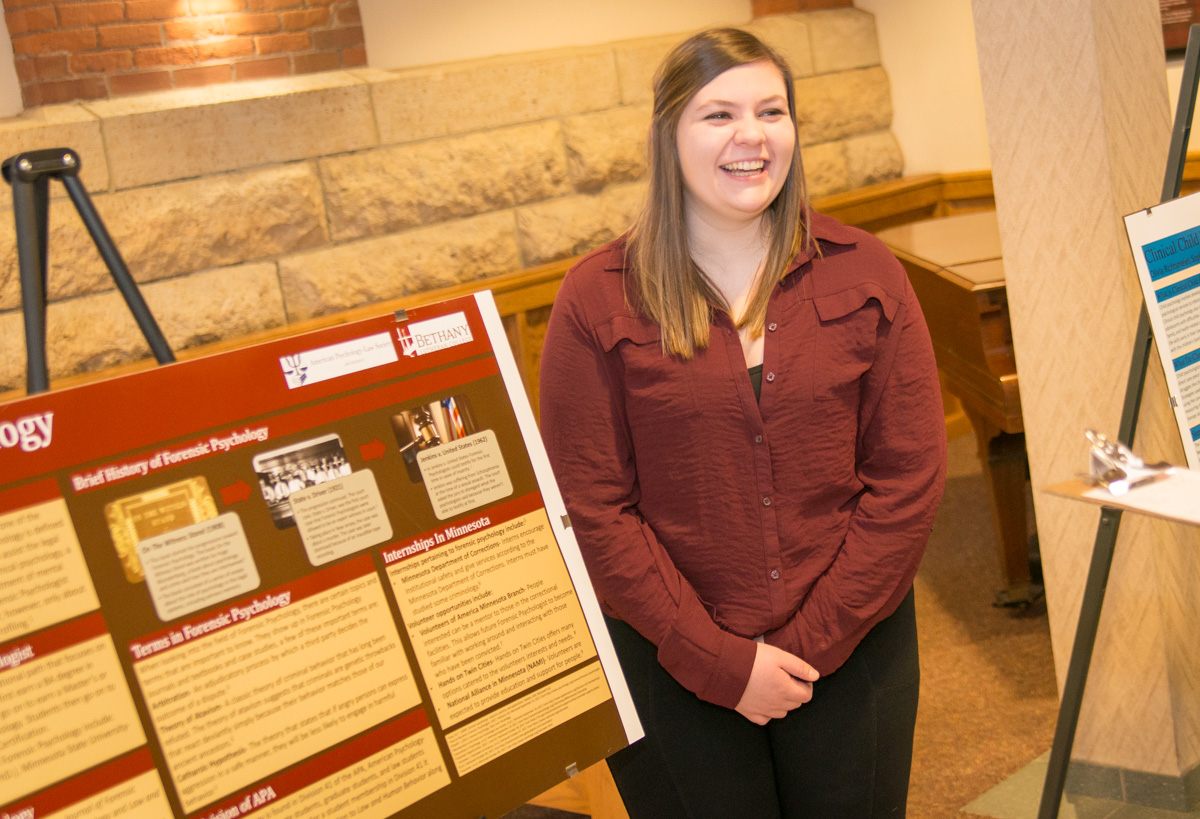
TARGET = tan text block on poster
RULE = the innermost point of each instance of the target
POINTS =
(489, 737)
(239, 704)
(43, 579)
(340, 517)
(140, 798)
(379, 786)
(62, 713)
(489, 615)
(465, 474)
(198, 566)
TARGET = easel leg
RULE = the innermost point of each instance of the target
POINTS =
(120, 272)
(1081, 660)
(31, 209)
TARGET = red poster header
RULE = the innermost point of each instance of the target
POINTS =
(15, 654)
(461, 527)
(29, 495)
(84, 786)
(80, 425)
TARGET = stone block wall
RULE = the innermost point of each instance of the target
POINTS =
(244, 207)
(68, 50)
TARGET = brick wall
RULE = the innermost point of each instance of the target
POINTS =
(69, 50)
(761, 8)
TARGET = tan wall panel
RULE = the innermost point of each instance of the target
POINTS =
(1078, 126)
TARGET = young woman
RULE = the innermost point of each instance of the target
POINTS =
(741, 407)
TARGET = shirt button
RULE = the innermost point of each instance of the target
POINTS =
(774, 574)
(772, 326)
(758, 439)
(766, 501)
(770, 376)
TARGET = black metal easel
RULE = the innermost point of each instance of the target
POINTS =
(1110, 518)
(29, 174)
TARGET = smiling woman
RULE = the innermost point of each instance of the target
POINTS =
(720, 96)
(735, 143)
(741, 406)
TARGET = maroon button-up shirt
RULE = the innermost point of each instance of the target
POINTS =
(706, 518)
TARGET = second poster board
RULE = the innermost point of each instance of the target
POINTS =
(1165, 241)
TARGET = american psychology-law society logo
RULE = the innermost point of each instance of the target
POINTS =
(424, 337)
(335, 360)
(295, 370)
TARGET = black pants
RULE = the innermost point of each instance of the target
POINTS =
(844, 755)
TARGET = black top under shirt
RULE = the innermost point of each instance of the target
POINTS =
(756, 380)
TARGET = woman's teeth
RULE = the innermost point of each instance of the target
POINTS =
(745, 167)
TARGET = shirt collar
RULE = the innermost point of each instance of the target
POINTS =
(825, 230)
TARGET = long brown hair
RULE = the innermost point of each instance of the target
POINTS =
(668, 285)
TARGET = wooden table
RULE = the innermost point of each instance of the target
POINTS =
(955, 267)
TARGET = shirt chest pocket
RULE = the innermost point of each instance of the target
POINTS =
(849, 325)
(659, 388)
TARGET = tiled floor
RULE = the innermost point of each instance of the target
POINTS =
(1018, 797)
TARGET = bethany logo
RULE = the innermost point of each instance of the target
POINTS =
(421, 337)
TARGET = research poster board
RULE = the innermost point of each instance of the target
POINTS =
(328, 576)
(1166, 250)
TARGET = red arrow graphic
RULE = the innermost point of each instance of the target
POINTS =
(235, 492)
(372, 450)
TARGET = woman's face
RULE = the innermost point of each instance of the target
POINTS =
(735, 141)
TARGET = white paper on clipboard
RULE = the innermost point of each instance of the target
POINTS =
(1165, 241)
(1174, 496)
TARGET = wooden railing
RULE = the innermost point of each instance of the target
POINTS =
(524, 297)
